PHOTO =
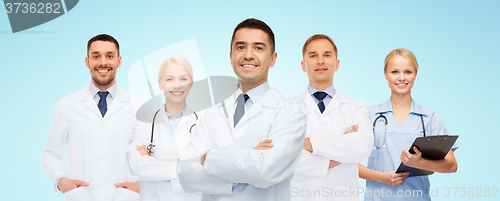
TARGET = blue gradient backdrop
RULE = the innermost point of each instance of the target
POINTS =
(456, 44)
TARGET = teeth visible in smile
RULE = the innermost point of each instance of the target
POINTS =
(176, 93)
(402, 84)
(103, 71)
(249, 66)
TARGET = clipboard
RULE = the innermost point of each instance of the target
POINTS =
(433, 148)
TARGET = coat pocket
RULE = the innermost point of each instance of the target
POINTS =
(77, 194)
(123, 194)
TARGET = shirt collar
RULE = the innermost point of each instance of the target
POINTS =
(419, 110)
(254, 94)
(414, 108)
(112, 90)
(179, 115)
(330, 91)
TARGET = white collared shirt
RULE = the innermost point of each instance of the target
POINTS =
(112, 93)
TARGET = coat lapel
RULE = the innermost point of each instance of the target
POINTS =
(88, 100)
(337, 100)
(270, 100)
(309, 101)
(225, 111)
(189, 114)
(120, 99)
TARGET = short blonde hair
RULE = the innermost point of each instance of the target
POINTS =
(175, 60)
(407, 54)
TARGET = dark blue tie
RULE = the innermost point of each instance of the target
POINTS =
(320, 96)
(103, 105)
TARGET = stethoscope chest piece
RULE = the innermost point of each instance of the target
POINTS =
(151, 148)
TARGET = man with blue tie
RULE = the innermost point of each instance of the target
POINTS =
(95, 124)
(247, 147)
(338, 134)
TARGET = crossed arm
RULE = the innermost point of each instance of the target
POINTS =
(269, 162)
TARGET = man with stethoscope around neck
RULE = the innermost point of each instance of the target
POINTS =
(338, 132)
(247, 147)
(157, 146)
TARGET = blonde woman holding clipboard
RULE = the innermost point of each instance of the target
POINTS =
(396, 124)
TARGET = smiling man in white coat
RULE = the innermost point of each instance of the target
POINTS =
(95, 124)
(338, 133)
(246, 147)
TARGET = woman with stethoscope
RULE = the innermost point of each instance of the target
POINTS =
(156, 147)
(396, 124)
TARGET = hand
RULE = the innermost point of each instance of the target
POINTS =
(265, 145)
(66, 184)
(412, 160)
(142, 149)
(353, 129)
(133, 186)
(333, 164)
(203, 157)
(394, 179)
(308, 145)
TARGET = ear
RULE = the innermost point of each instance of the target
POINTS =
(231, 57)
(87, 62)
(337, 66)
(273, 59)
(303, 64)
(385, 75)
(119, 62)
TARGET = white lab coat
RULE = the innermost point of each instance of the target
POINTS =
(313, 180)
(234, 170)
(96, 146)
(158, 172)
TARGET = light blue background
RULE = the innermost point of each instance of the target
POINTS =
(456, 44)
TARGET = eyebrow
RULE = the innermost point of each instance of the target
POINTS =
(259, 43)
(97, 52)
(313, 52)
(243, 42)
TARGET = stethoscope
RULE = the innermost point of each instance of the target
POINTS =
(385, 133)
(151, 147)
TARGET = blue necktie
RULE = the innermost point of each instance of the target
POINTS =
(103, 105)
(320, 96)
(240, 108)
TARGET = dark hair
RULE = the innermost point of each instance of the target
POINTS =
(253, 23)
(317, 37)
(103, 37)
